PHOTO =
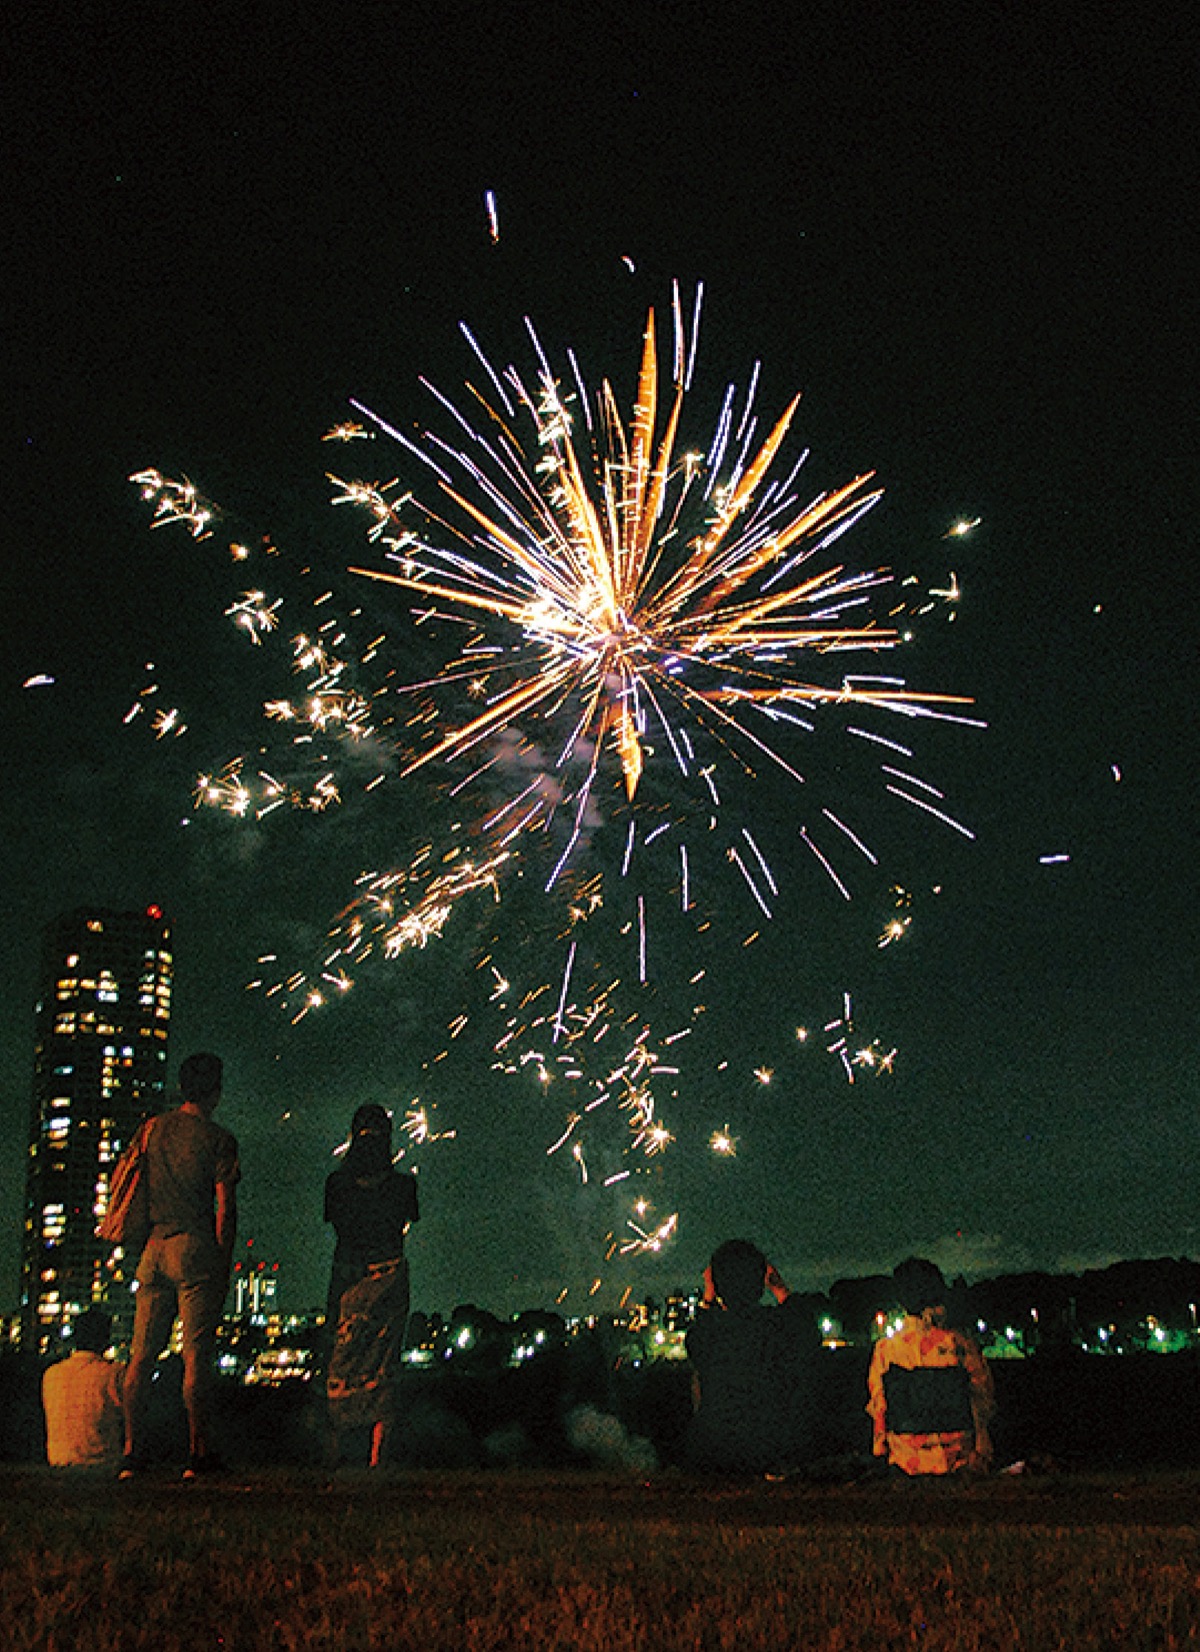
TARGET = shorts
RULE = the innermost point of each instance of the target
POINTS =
(184, 1275)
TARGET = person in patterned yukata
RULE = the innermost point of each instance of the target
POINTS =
(930, 1390)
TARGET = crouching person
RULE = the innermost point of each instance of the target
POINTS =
(81, 1396)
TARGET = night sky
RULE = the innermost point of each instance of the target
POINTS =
(962, 235)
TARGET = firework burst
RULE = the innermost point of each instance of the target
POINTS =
(626, 592)
(629, 616)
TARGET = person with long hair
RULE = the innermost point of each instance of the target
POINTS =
(371, 1206)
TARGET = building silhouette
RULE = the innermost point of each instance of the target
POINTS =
(255, 1288)
(100, 1066)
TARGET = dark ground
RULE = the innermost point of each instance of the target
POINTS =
(438, 1560)
(1156, 1498)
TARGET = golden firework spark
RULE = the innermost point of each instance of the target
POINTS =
(649, 1241)
(418, 1125)
(174, 502)
(347, 431)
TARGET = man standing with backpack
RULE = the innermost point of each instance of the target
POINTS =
(191, 1168)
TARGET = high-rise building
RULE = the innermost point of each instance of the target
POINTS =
(100, 1066)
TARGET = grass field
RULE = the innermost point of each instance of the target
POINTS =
(475, 1561)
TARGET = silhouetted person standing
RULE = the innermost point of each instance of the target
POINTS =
(192, 1170)
(371, 1205)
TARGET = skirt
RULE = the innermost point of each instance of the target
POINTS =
(370, 1334)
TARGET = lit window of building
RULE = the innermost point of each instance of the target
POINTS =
(98, 1071)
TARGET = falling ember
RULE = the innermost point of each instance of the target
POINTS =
(875, 1058)
(493, 216)
(723, 1144)
(254, 614)
(572, 1121)
(419, 1128)
(893, 931)
(168, 722)
(652, 1241)
(558, 1019)
(174, 502)
(948, 593)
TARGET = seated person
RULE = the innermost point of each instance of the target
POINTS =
(81, 1396)
(756, 1369)
(930, 1389)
